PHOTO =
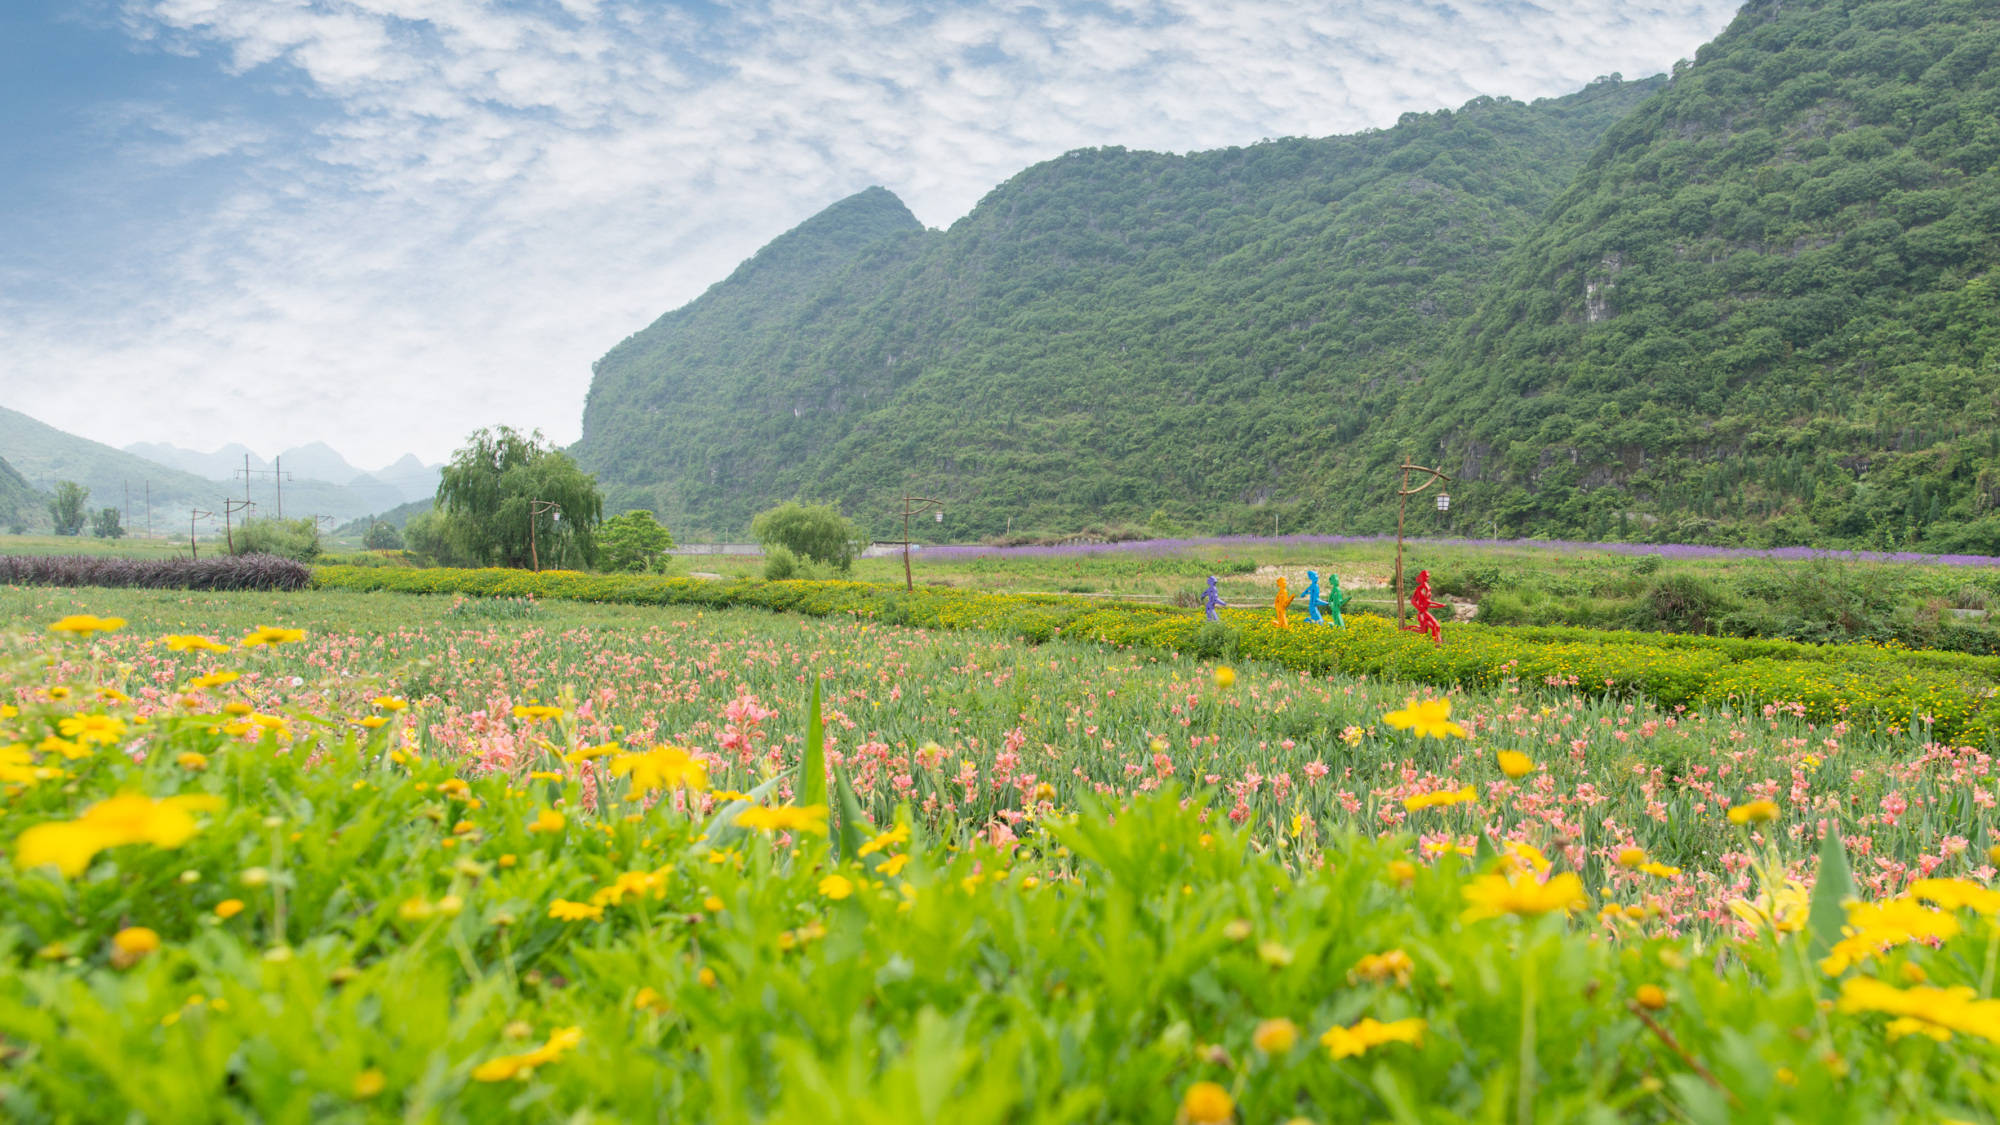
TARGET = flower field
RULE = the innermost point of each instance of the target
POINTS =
(345, 856)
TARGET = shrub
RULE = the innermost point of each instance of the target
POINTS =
(780, 564)
(1678, 603)
(227, 572)
(292, 539)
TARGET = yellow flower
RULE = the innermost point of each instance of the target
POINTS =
(1382, 967)
(1225, 676)
(187, 643)
(101, 729)
(1756, 812)
(650, 1000)
(560, 1043)
(1783, 913)
(1659, 869)
(84, 624)
(374, 721)
(1515, 764)
(131, 944)
(17, 767)
(189, 760)
(893, 866)
(537, 711)
(129, 818)
(836, 887)
(897, 835)
(1515, 893)
(369, 1083)
(272, 635)
(1924, 1010)
(1275, 1037)
(1207, 1103)
(663, 767)
(1956, 894)
(1420, 801)
(563, 910)
(785, 818)
(1651, 997)
(547, 820)
(1631, 857)
(1346, 1042)
(1430, 718)
(214, 679)
(228, 908)
(390, 703)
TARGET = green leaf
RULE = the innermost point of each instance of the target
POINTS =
(854, 828)
(1832, 889)
(812, 769)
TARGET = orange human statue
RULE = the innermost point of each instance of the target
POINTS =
(1420, 600)
(1284, 599)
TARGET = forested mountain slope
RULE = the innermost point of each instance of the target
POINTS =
(1750, 303)
(1766, 300)
(1107, 334)
(20, 504)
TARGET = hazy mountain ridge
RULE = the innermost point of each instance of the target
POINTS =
(43, 455)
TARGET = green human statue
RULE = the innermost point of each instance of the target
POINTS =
(1335, 599)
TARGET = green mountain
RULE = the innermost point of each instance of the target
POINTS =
(1747, 302)
(1765, 308)
(1105, 335)
(20, 504)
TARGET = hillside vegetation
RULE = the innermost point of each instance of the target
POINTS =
(1765, 303)
(1749, 302)
(1110, 332)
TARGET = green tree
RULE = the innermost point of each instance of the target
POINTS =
(104, 524)
(633, 541)
(383, 537)
(292, 539)
(507, 499)
(816, 531)
(66, 507)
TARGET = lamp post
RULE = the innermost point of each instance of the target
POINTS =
(1403, 506)
(536, 508)
(911, 506)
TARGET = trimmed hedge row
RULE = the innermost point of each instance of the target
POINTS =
(223, 572)
(1865, 684)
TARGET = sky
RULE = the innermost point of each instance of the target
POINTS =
(382, 224)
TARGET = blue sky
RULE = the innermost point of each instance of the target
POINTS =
(384, 223)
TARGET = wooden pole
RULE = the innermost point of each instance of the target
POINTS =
(909, 583)
(1402, 506)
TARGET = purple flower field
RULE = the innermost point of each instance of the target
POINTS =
(1667, 550)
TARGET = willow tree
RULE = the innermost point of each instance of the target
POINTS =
(508, 498)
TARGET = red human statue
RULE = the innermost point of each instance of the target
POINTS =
(1420, 600)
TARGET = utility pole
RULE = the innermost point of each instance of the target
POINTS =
(194, 548)
(1402, 506)
(278, 477)
(535, 510)
(229, 509)
(149, 507)
(911, 506)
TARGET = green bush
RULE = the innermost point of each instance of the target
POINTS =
(290, 539)
(780, 564)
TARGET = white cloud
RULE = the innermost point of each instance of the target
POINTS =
(497, 194)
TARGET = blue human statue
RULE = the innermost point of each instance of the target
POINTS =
(1312, 597)
(1210, 599)
(1335, 599)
